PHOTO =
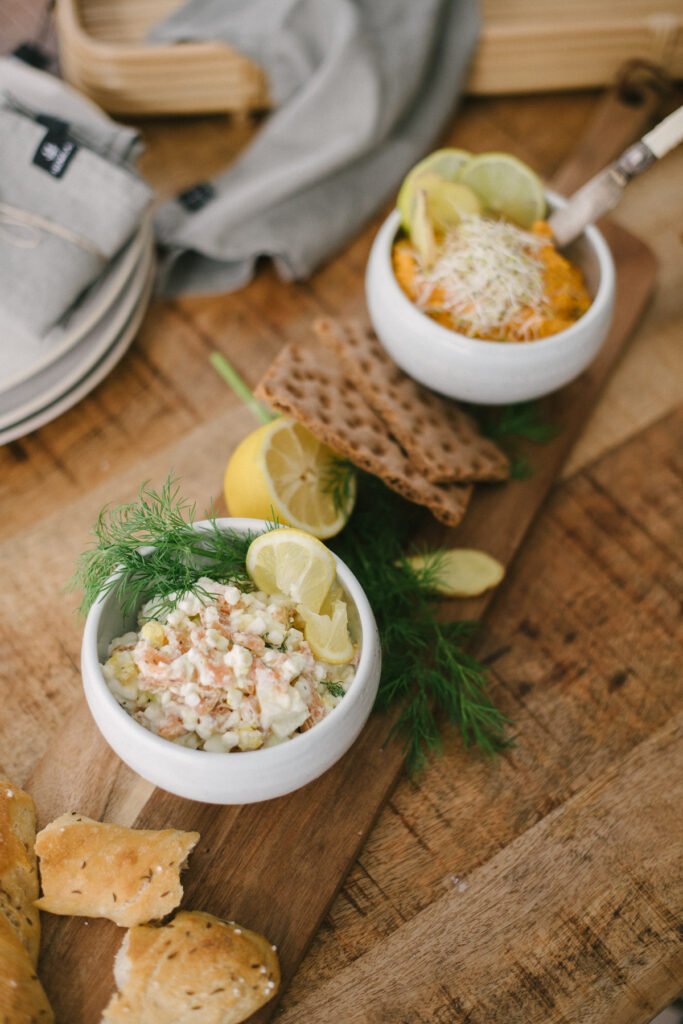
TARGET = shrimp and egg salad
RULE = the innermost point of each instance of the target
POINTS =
(224, 670)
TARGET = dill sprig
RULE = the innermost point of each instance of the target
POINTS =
(339, 481)
(510, 424)
(523, 420)
(426, 669)
(148, 549)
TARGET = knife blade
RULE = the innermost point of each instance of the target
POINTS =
(602, 193)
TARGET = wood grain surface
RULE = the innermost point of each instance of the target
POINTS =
(541, 886)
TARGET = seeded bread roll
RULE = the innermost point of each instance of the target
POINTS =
(22, 999)
(18, 871)
(94, 869)
(195, 970)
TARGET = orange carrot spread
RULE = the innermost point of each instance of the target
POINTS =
(495, 281)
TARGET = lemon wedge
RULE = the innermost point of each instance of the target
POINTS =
(443, 163)
(293, 563)
(506, 186)
(328, 635)
(462, 572)
(448, 202)
(421, 230)
(282, 470)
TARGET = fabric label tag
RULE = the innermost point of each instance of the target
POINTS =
(56, 150)
(195, 198)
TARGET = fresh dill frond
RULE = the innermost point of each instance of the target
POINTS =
(335, 689)
(148, 549)
(520, 420)
(339, 480)
(520, 468)
(425, 667)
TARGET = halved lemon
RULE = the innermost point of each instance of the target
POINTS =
(293, 563)
(328, 635)
(282, 470)
(506, 186)
(443, 163)
(462, 572)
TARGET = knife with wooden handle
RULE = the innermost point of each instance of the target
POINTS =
(602, 193)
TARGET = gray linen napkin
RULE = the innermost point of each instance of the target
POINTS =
(69, 201)
(366, 87)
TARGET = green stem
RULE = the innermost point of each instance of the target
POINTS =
(240, 388)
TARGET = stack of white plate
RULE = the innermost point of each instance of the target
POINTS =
(40, 378)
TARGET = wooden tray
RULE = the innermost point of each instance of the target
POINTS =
(277, 866)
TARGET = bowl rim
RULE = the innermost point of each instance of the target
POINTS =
(92, 668)
(446, 338)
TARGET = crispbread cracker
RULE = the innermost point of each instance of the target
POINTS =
(314, 390)
(441, 440)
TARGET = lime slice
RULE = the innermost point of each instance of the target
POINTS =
(421, 230)
(293, 563)
(461, 572)
(282, 469)
(328, 635)
(444, 163)
(448, 202)
(506, 186)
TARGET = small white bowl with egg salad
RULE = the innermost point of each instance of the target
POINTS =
(221, 699)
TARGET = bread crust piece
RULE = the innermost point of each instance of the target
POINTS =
(197, 968)
(22, 999)
(440, 438)
(95, 869)
(18, 870)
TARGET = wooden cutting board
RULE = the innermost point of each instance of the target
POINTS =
(277, 866)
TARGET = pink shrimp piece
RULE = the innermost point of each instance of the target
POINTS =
(171, 728)
(254, 643)
(151, 662)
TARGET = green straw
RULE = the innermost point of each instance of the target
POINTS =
(244, 393)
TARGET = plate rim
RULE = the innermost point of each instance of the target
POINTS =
(92, 350)
(90, 381)
(112, 287)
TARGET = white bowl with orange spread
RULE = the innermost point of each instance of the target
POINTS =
(231, 777)
(479, 370)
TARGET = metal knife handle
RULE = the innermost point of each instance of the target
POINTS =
(667, 134)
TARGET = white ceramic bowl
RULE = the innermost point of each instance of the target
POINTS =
(489, 372)
(232, 778)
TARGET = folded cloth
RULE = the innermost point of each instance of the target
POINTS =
(40, 93)
(366, 86)
(69, 201)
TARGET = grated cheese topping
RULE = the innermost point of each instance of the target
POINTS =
(488, 274)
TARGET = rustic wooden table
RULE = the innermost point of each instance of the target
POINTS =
(451, 912)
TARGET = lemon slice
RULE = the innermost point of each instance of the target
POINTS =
(443, 163)
(282, 470)
(506, 186)
(462, 572)
(293, 563)
(421, 230)
(328, 635)
(448, 202)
